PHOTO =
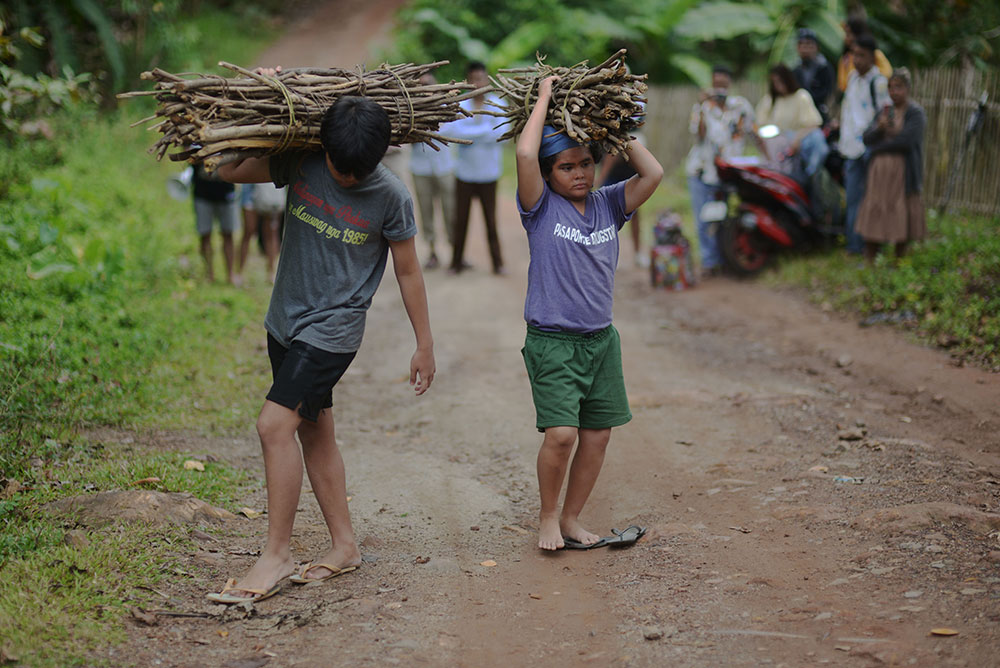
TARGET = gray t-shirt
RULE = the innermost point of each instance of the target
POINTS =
(333, 252)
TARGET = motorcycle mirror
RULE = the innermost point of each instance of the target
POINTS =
(769, 131)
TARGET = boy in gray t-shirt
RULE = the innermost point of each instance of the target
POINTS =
(345, 213)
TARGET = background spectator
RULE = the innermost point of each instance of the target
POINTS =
(215, 199)
(854, 27)
(813, 72)
(433, 181)
(791, 108)
(866, 94)
(477, 169)
(893, 209)
(719, 122)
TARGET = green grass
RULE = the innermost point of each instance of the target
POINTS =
(105, 321)
(947, 287)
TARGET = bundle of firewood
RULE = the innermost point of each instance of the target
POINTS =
(215, 120)
(602, 104)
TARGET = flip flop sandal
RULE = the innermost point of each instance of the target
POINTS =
(300, 577)
(571, 544)
(627, 537)
(228, 599)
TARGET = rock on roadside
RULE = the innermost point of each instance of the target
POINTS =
(158, 508)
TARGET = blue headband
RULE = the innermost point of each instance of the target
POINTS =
(556, 143)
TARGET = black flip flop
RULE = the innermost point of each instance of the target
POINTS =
(625, 538)
(571, 544)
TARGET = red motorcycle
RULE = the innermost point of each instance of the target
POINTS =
(773, 212)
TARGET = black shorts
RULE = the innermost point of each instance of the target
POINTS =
(304, 376)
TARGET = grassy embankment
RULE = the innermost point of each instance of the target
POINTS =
(105, 321)
(945, 292)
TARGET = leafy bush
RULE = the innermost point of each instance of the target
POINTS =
(947, 290)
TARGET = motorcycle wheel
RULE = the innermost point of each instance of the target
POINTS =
(744, 252)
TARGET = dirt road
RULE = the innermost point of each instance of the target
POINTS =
(816, 494)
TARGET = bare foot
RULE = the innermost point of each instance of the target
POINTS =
(549, 535)
(341, 557)
(572, 529)
(266, 573)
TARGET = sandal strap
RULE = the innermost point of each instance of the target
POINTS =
(231, 586)
(330, 567)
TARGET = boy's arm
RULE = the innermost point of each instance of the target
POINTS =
(530, 184)
(411, 287)
(640, 187)
(248, 170)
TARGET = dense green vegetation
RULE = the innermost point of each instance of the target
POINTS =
(677, 41)
(946, 291)
(105, 321)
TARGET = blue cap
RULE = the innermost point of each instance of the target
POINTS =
(553, 143)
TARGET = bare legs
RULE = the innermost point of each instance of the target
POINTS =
(249, 232)
(228, 252)
(325, 467)
(277, 427)
(206, 254)
(269, 224)
(553, 460)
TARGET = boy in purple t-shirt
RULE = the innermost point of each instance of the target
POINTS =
(571, 351)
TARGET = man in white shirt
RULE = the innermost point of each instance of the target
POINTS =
(720, 122)
(433, 174)
(866, 95)
(477, 169)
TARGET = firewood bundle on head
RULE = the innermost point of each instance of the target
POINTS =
(215, 120)
(600, 104)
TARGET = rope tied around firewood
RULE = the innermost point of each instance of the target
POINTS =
(289, 135)
(409, 104)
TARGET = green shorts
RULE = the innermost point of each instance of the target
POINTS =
(576, 379)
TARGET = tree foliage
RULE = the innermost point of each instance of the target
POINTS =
(935, 33)
(679, 40)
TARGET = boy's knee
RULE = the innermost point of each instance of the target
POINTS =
(268, 428)
(561, 437)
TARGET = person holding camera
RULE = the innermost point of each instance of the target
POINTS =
(720, 123)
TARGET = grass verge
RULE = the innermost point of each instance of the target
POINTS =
(105, 321)
(946, 291)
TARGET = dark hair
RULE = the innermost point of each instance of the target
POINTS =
(807, 34)
(866, 42)
(786, 76)
(548, 162)
(722, 69)
(475, 65)
(857, 25)
(355, 134)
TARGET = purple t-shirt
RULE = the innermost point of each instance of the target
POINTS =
(571, 277)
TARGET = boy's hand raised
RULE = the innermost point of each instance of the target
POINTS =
(422, 370)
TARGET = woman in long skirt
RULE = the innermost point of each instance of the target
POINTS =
(893, 209)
